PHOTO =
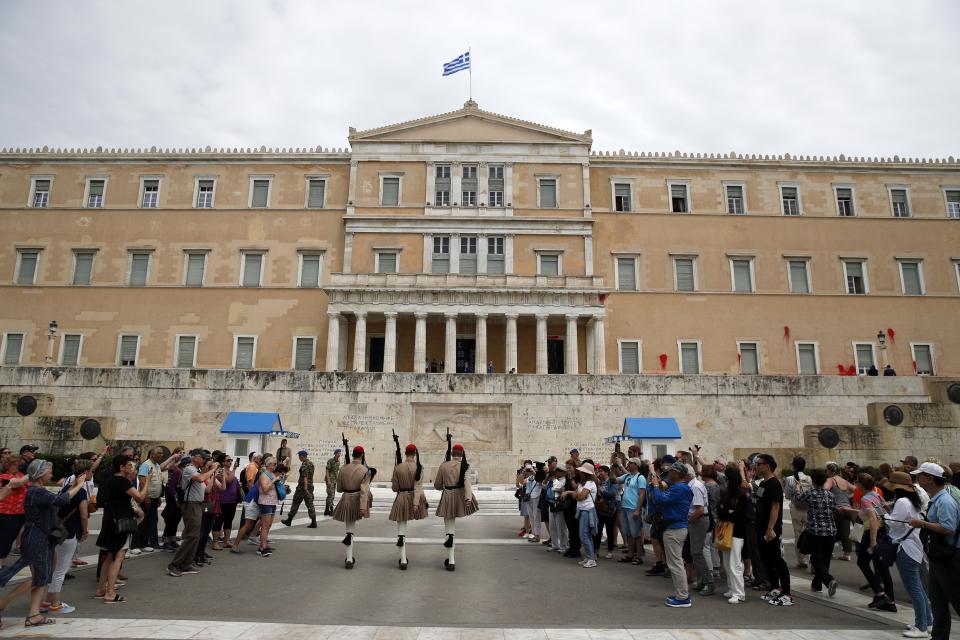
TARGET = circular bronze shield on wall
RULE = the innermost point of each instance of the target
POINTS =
(828, 437)
(893, 415)
(90, 429)
(953, 392)
(26, 405)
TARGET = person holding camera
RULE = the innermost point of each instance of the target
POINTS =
(145, 539)
(672, 500)
(211, 491)
(192, 495)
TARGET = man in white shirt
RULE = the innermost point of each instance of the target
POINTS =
(698, 520)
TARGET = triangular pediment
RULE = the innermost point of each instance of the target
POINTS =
(470, 124)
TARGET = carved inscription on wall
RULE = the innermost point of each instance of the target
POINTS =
(566, 434)
(481, 427)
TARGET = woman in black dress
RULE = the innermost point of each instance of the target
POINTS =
(115, 495)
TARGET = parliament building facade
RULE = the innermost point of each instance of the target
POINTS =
(471, 242)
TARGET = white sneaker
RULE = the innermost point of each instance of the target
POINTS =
(135, 552)
(608, 556)
(583, 562)
(253, 540)
(728, 594)
(147, 549)
(589, 564)
(913, 632)
(735, 600)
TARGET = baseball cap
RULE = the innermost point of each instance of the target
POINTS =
(199, 452)
(28, 447)
(636, 461)
(668, 459)
(574, 450)
(680, 468)
(929, 468)
(302, 452)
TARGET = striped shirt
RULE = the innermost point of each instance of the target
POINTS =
(821, 511)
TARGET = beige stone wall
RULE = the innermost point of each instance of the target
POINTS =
(501, 419)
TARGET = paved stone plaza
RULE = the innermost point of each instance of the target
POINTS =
(504, 588)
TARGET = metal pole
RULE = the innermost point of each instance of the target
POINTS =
(470, 71)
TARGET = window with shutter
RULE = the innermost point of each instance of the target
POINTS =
(468, 255)
(186, 351)
(196, 262)
(261, 194)
(735, 199)
(95, 190)
(549, 264)
(912, 283)
(71, 350)
(629, 357)
(27, 271)
(689, 358)
(128, 350)
(310, 270)
(495, 257)
(252, 268)
(953, 203)
(244, 358)
(749, 360)
(789, 196)
(626, 274)
(864, 356)
(845, 202)
(684, 274)
(443, 198)
(390, 196)
(679, 200)
(82, 267)
(151, 194)
(303, 354)
(807, 359)
(41, 194)
(440, 262)
(495, 172)
(316, 192)
(899, 202)
(621, 196)
(742, 278)
(853, 270)
(205, 194)
(923, 359)
(798, 277)
(12, 349)
(496, 198)
(548, 193)
(495, 186)
(139, 265)
(386, 262)
(443, 172)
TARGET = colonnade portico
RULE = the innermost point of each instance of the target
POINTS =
(340, 318)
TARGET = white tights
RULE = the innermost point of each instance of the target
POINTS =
(402, 531)
(450, 528)
(350, 527)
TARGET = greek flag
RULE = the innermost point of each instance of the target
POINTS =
(459, 63)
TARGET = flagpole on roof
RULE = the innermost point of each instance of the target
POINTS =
(470, 71)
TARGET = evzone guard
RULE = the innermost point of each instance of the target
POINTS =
(353, 481)
(410, 503)
(457, 499)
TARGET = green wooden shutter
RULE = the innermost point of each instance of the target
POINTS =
(83, 268)
(629, 357)
(28, 267)
(911, 278)
(14, 346)
(749, 362)
(244, 353)
(388, 262)
(318, 190)
(186, 348)
(689, 359)
(252, 264)
(548, 194)
(549, 265)
(741, 276)
(310, 273)
(139, 264)
(128, 351)
(923, 359)
(71, 351)
(391, 192)
(195, 264)
(685, 280)
(798, 277)
(808, 359)
(303, 357)
(261, 192)
(626, 274)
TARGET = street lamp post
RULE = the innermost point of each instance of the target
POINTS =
(882, 340)
(51, 338)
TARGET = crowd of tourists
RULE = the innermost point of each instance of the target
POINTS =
(708, 522)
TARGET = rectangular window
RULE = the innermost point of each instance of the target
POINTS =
(244, 352)
(495, 185)
(12, 348)
(735, 199)
(790, 200)
(139, 268)
(621, 196)
(27, 267)
(196, 265)
(495, 172)
(41, 194)
(627, 274)
(70, 349)
(151, 194)
(548, 193)
(386, 262)
(845, 208)
(495, 257)
(469, 186)
(443, 199)
(252, 270)
(316, 193)
(310, 270)
(953, 202)
(799, 276)
(469, 172)
(468, 254)
(684, 274)
(679, 198)
(469, 198)
(807, 361)
(390, 194)
(496, 198)
(303, 353)
(742, 275)
(899, 203)
(129, 348)
(690, 358)
(549, 264)
(440, 262)
(205, 194)
(749, 358)
(863, 352)
(186, 352)
(95, 189)
(259, 193)
(443, 172)
(442, 186)
(82, 267)
(923, 359)
(630, 357)
(854, 273)
(911, 277)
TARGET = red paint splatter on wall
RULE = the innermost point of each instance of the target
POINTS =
(663, 362)
(841, 370)
(852, 370)
(914, 367)
(786, 332)
(891, 334)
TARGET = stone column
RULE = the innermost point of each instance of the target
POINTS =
(427, 253)
(390, 342)
(511, 359)
(541, 344)
(347, 251)
(360, 342)
(454, 253)
(508, 255)
(482, 254)
(450, 350)
(420, 343)
(333, 339)
(456, 177)
(588, 255)
(342, 351)
(508, 188)
(590, 356)
(481, 353)
(599, 347)
(571, 360)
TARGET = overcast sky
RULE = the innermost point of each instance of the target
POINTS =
(870, 77)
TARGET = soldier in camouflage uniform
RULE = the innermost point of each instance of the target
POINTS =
(304, 491)
(330, 479)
